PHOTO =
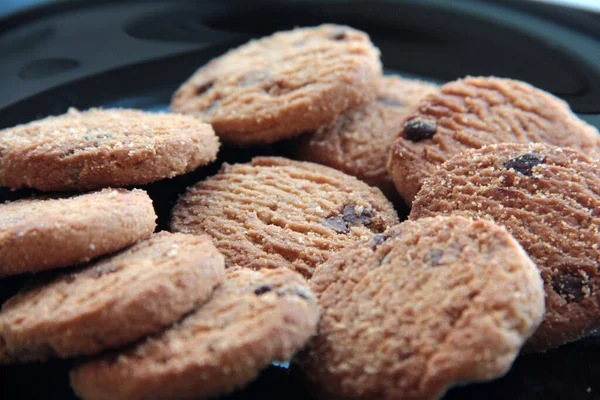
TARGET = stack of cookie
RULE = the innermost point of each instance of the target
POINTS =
(276, 256)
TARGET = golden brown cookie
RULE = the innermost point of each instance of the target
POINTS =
(40, 234)
(99, 148)
(111, 302)
(549, 200)
(282, 85)
(255, 317)
(473, 112)
(423, 307)
(358, 142)
(274, 212)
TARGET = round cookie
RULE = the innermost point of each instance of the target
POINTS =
(425, 306)
(548, 198)
(255, 317)
(473, 112)
(282, 85)
(274, 212)
(358, 142)
(114, 301)
(39, 234)
(99, 148)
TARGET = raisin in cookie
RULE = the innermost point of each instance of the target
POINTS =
(282, 85)
(549, 199)
(425, 306)
(275, 212)
(99, 148)
(39, 234)
(255, 317)
(473, 112)
(113, 301)
(358, 142)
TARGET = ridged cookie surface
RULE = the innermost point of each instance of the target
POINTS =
(255, 317)
(39, 234)
(282, 85)
(83, 150)
(549, 200)
(111, 302)
(358, 142)
(275, 212)
(427, 305)
(477, 111)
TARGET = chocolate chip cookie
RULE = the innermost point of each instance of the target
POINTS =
(425, 306)
(38, 234)
(549, 200)
(282, 85)
(274, 212)
(358, 142)
(255, 317)
(111, 302)
(473, 112)
(100, 148)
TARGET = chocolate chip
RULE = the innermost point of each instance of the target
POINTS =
(337, 224)
(338, 34)
(390, 101)
(227, 266)
(376, 240)
(350, 216)
(102, 270)
(524, 164)
(569, 286)
(200, 90)
(263, 289)
(434, 257)
(416, 130)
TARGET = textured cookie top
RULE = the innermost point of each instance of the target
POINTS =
(98, 148)
(275, 212)
(359, 140)
(549, 200)
(473, 112)
(112, 301)
(420, 308)
(44, 233)
(282, 85)
(255, 317)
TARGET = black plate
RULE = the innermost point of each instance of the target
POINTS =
(135, 54)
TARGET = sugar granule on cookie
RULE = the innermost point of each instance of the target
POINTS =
(476, 111)
(43, 233)
(549, 200)
(110, 302)
(358, 142)
(254, 318)
(282, 85)
(84, 150)
(275, 212)
(425, 306)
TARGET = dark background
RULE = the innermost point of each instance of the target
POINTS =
(135, 54)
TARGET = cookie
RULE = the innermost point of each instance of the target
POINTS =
(358, 142)
(99, 148)
(111, 302)
(473, 112)
(274, 212)
(39, 234)
(255, 317)
(282, 85)
(549, 200)
(425, 306)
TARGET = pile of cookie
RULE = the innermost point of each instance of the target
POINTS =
(304, 258)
